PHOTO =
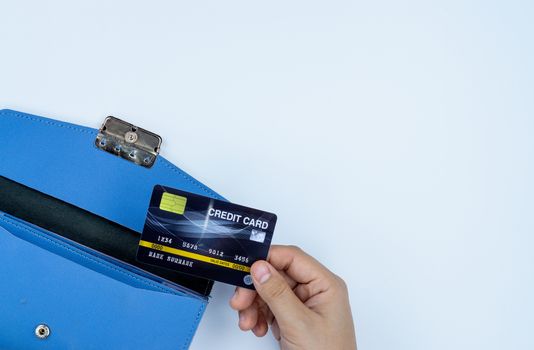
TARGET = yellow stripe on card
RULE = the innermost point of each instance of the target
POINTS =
(195, 256)
(173, 203)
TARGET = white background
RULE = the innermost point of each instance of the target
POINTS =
(393, 139)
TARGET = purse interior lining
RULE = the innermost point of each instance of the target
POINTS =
(85, 228)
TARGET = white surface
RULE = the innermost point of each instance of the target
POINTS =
(393, 139)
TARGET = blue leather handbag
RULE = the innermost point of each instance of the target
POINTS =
(70, 216)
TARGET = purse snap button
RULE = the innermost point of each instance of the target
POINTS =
(42, 331)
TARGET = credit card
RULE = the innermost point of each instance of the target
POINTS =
(204, 237)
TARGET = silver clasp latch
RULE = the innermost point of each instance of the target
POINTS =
(128, 141)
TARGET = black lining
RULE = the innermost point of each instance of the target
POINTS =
(85, 228)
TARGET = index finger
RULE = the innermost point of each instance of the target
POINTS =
(298, 265)
(243, 297)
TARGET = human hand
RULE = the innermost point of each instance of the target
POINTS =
(306, 305)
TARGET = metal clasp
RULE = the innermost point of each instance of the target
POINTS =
(128, 141)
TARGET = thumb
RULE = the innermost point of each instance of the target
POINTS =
(274, 290)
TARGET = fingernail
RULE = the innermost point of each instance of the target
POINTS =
(261, 273)
(241, 318)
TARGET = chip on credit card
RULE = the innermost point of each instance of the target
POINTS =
(204, 237)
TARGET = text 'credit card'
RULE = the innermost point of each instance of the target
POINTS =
(205, 237)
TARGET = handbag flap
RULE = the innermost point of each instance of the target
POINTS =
(61, 160)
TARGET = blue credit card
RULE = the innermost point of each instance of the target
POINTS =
(204, 237)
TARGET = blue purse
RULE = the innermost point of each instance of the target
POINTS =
(70, 216)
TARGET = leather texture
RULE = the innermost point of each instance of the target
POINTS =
(88, 300)
(61, 160)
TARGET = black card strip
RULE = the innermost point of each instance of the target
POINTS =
(85, 228)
